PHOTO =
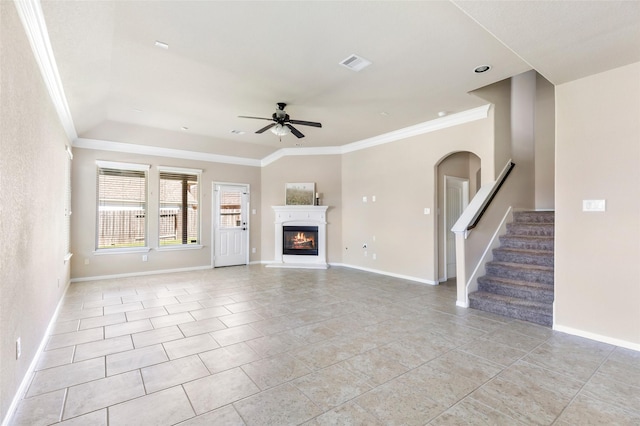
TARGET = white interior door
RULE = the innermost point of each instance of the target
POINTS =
(231, 225)
(456, 199)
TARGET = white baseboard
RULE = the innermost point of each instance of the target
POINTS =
(140, 274)
(597, 337)
(389, 274)
(28, 376)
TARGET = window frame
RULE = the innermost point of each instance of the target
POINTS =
(181, 171)
(100, 164)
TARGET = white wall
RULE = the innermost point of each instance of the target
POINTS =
(597, 269)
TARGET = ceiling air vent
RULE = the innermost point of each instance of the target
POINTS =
(355, 63)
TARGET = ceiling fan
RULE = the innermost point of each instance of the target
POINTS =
(282, 123)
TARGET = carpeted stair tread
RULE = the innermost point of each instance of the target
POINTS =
(533, 242)
(517, 283)
(530, 228)
(534, 216)
(512, 307)
(539, 292)
(514, 265)
(524, 256)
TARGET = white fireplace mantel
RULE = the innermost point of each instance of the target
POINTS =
(300, 216)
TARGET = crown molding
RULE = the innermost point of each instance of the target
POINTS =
(288, 152)
(463, 117)
(422, 128)
(419, 129)
(30, 13)
(163, 152)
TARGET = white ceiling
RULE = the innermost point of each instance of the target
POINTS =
(231, 58)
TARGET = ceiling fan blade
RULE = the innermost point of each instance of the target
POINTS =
(265, 128)
(295, 131)
(306, 123)
(256, 118)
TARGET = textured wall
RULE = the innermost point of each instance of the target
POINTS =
(597, 273)
(33, 274)
(325, 172)
(403, 175)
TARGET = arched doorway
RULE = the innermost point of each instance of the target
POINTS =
(457, 181)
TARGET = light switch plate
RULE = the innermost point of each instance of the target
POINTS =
(594, 205)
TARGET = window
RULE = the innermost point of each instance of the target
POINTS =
(122, 205)
(179, 221)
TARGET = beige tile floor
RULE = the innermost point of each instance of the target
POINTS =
(260, 346)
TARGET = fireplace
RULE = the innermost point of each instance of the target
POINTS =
(300, 230)
(300, 240)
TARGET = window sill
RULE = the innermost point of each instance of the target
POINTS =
(100, 252)
(180, 247)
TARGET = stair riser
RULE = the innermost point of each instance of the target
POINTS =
(528, 229)
(523, 258)
(536, 295)
(521, 274)
(521, 243)
(538, 317)
(538, 217)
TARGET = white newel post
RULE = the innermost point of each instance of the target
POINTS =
(300, 216)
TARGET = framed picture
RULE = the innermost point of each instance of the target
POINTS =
(300, 194)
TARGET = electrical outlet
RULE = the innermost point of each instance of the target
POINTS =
(86, 261)
(365, 253)
(18, 348)
(253, 250)
(145, 257)
(373, 256)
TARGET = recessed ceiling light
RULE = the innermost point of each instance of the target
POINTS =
(237, 132)
(481, 68)
(384, 113)
(184, 128)
(355, 62)
(443, 113)
(161, 44)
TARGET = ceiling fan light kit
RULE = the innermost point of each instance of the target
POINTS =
(282, 123)
(280, 130)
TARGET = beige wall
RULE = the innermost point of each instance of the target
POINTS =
(33, 274)
(545, 116)
(325, 172)
(402, 176)
(597, 268)
(499, 94)
(84, 215)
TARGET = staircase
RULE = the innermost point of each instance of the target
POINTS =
(519, 280)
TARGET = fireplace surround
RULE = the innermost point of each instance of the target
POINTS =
(306, 219)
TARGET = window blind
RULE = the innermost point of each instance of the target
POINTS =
(179, 213)
(122, 205)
